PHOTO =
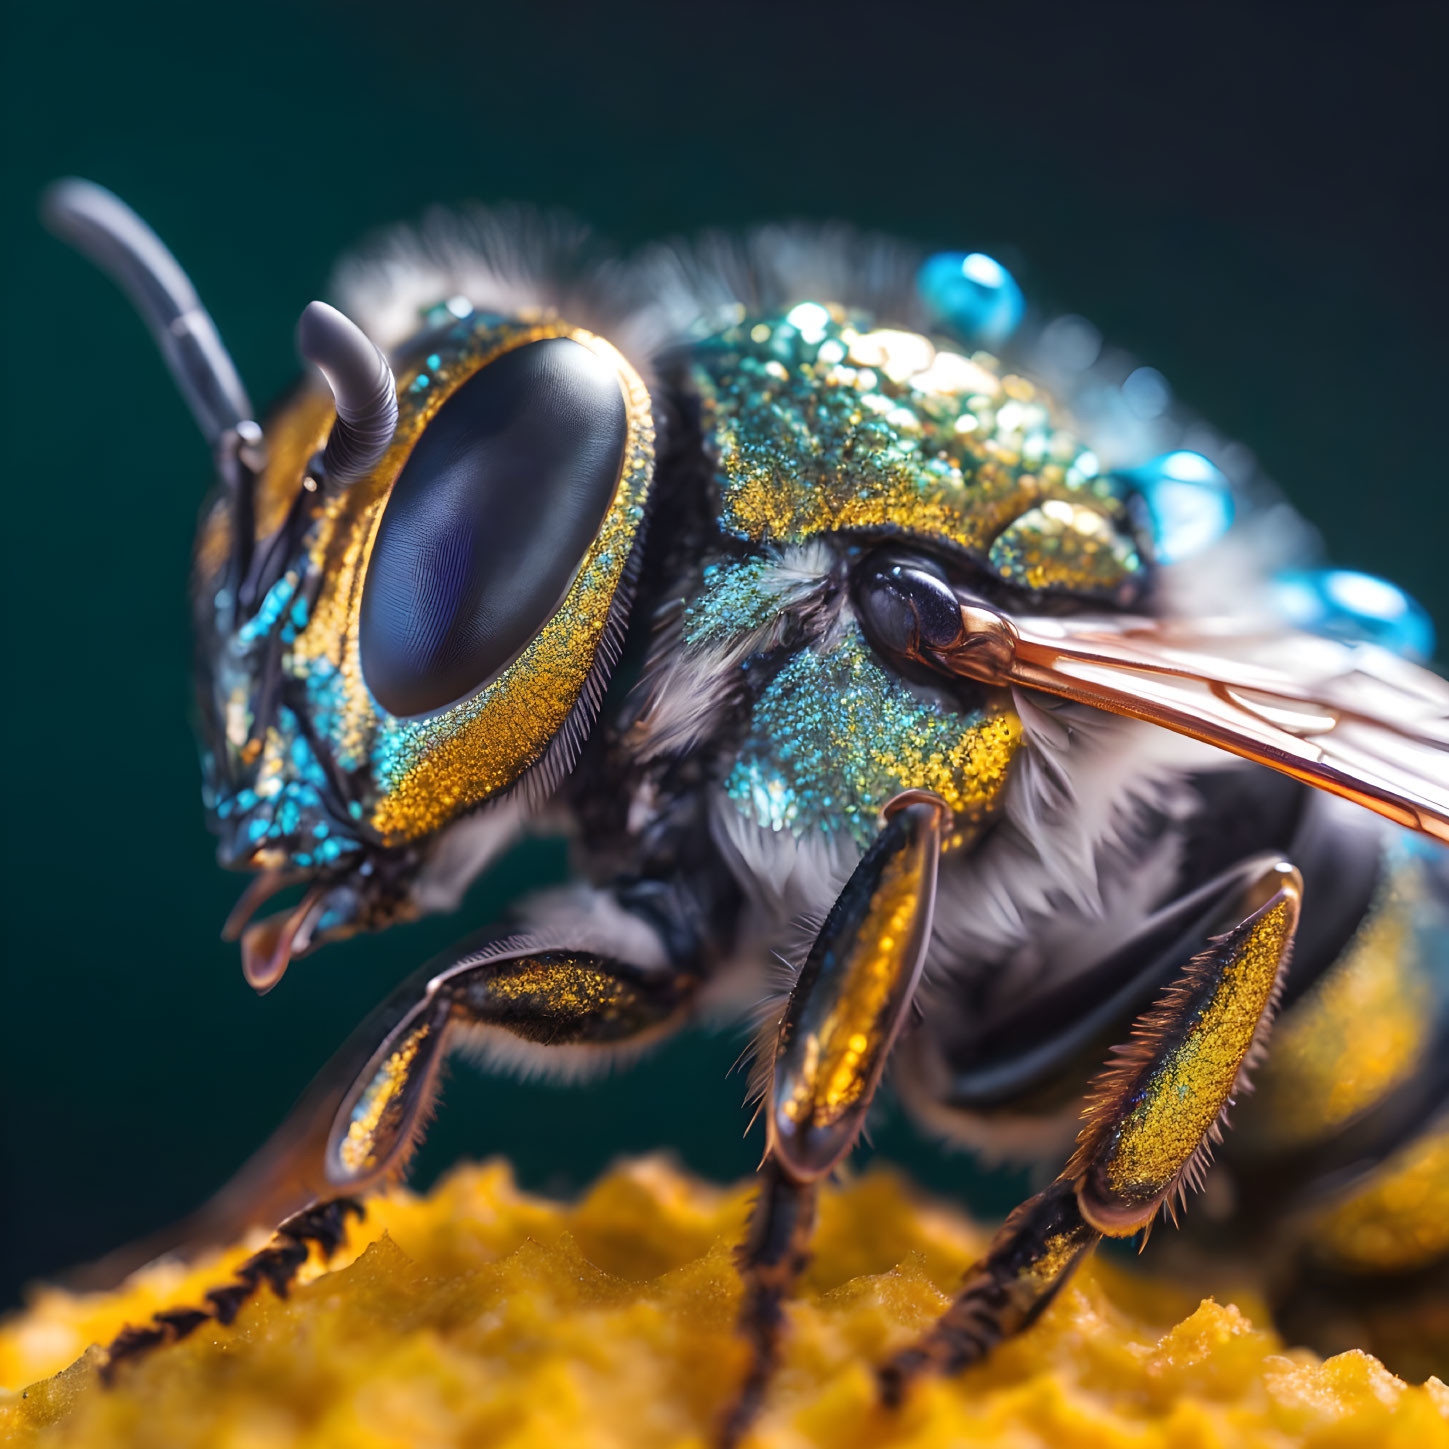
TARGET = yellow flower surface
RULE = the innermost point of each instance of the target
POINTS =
(481, 1316)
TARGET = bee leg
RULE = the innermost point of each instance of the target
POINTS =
(513, 994)
(771, 1259)
(1152, 1118)
(518, 998)
(834, 1036)
(1349, 1153)
(323, 1224)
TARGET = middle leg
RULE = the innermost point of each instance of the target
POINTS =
(834, 1037)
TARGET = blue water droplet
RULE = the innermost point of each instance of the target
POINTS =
(1343, 604)
(1189, 501)
(973, 294)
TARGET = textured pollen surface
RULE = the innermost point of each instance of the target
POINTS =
(480, 1316)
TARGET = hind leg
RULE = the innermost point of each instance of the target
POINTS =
(1346, 1150)
(1153, 1115)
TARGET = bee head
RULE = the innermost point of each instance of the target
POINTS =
(408, 588)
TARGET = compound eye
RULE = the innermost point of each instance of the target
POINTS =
(488, 522)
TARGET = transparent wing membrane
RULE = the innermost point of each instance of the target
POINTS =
(1348, 718)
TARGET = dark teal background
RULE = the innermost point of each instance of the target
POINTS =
(1251, 202)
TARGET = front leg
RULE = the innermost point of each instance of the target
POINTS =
(1151, 1120)
(842, 1018)
(518, 994)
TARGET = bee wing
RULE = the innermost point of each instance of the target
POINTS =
(1348, 718)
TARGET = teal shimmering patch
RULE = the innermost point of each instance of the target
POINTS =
(745, 603)
(273, 606)
(818, 422)
(735, 599)
(834, 735)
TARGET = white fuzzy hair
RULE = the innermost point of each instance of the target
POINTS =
(698, 285)
(513, 260)
(463, 850)
(688, 686)
(1085, 847)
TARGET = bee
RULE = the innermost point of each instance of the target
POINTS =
(893, 656)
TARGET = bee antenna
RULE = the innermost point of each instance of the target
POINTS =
(102, 227)
(362, 383)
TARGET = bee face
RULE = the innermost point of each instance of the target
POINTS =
(419, 640)
(831, 439)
